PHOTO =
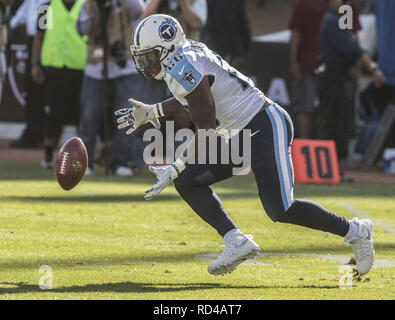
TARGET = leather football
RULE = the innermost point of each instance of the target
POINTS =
(71, 163)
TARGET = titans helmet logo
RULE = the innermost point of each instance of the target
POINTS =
(167, 30)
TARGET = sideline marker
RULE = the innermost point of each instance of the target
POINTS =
(315, 161)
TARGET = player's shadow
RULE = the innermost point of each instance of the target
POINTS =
(113, 197)
(137, 287)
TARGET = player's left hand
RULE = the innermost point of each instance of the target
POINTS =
(165, 175)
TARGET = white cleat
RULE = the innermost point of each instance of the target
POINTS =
(237, 250)
(123, 171)
(362, 244)
(88, 171)
(47, 164)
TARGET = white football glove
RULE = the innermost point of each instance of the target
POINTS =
(164, 175)
(139, 114)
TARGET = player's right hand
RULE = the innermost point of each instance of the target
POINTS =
(139, 114)
(164, 176)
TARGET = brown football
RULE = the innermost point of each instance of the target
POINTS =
(71, 163)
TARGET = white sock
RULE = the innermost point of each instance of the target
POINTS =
(228, 236)
(352, 233)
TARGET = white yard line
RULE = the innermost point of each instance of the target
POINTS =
(378, 263)
(13, 130)
(362, 214)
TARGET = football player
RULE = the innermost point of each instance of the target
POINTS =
(220, 98)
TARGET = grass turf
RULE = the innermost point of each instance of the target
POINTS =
(102, 240)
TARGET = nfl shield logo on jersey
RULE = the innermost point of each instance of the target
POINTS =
(167, 30)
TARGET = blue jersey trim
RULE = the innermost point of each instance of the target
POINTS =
(186, 74)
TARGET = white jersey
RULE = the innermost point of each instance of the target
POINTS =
(236, 98)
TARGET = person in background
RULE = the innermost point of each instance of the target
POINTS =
(31, 136)
(233, 41)
(5, 7)
(385, 20)
(15, 5)
(58, 61)
(191, 14)
(305, 25)
(123, 80)
(339, 52)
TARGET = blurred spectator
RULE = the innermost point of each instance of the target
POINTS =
(304, 53)
(305, 28)
(227, 31)
(4, 17)
(58, 61)
(15, 5)
(122, 83)
(339, 52)
(365, 6)
(190, 13)
(31, 137)
(385, 17)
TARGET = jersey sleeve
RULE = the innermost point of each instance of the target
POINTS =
(184, 76)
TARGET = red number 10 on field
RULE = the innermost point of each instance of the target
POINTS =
(315, 161)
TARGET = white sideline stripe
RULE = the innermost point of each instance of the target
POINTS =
(14, 87)
(342, 260)
(362, 214)
(13, 130)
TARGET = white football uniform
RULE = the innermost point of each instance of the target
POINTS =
(237, 100)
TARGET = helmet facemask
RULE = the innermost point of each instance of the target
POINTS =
(149, 62)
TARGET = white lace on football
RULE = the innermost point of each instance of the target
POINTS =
(63, 163)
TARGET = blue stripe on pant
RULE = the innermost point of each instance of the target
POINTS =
(271, 160)
(272, 135)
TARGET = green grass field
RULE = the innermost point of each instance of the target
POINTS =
(102, 240)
